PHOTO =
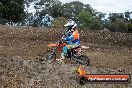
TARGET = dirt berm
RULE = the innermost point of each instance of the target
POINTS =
(22, 47)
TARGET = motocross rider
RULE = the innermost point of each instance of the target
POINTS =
(72, 38)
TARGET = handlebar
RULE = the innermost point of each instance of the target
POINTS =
(63, 36)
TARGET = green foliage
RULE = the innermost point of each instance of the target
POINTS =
(96, 25)
(114, 16)
(118, 26)
(88, 21)
(12, 10)
(119, 22)
(84, 14)
(130, 27)
(127, 14)
(85, 19)
(52, 7)
(59, 22)
(106, 23)
(72, 9)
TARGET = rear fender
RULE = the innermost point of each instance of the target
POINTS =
(84, 47)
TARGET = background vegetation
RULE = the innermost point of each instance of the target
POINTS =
(17, 11)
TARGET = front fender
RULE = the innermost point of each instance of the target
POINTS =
(51, 45)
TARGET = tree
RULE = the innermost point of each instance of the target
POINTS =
(118, 26)
(55, 9)
(12, 10)
(72, 9)
(85, 19)
(114, 16)
(130, 27)
(89, 21)
(27, 4)
(100, 15)
(96, 24)
(106, 23)
(127, 15)
(88, 8)
(52, 7)
(59, 22)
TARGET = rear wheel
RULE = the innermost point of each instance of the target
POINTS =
(83, 60)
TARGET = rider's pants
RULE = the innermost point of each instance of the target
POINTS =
(65, 49)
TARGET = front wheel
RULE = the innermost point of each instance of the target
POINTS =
(83, 60)
(50, 57)
(81, 80)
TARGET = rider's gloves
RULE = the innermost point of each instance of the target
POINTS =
(64, 39)
(64, 33)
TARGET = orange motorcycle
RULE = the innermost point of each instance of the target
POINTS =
(72, 54)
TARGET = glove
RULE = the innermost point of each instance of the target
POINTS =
(64, 33)
(63, 39)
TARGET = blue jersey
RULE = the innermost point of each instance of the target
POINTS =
(72, 38)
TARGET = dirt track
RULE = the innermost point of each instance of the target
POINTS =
(21, 48)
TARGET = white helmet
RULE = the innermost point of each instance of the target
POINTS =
(70, 24)
(47, 15)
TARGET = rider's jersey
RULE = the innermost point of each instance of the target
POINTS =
(73, 38)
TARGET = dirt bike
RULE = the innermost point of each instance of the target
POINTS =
(72, 54)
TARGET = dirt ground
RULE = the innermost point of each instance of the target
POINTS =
(22, 47)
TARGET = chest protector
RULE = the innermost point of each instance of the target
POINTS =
(75, 35)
